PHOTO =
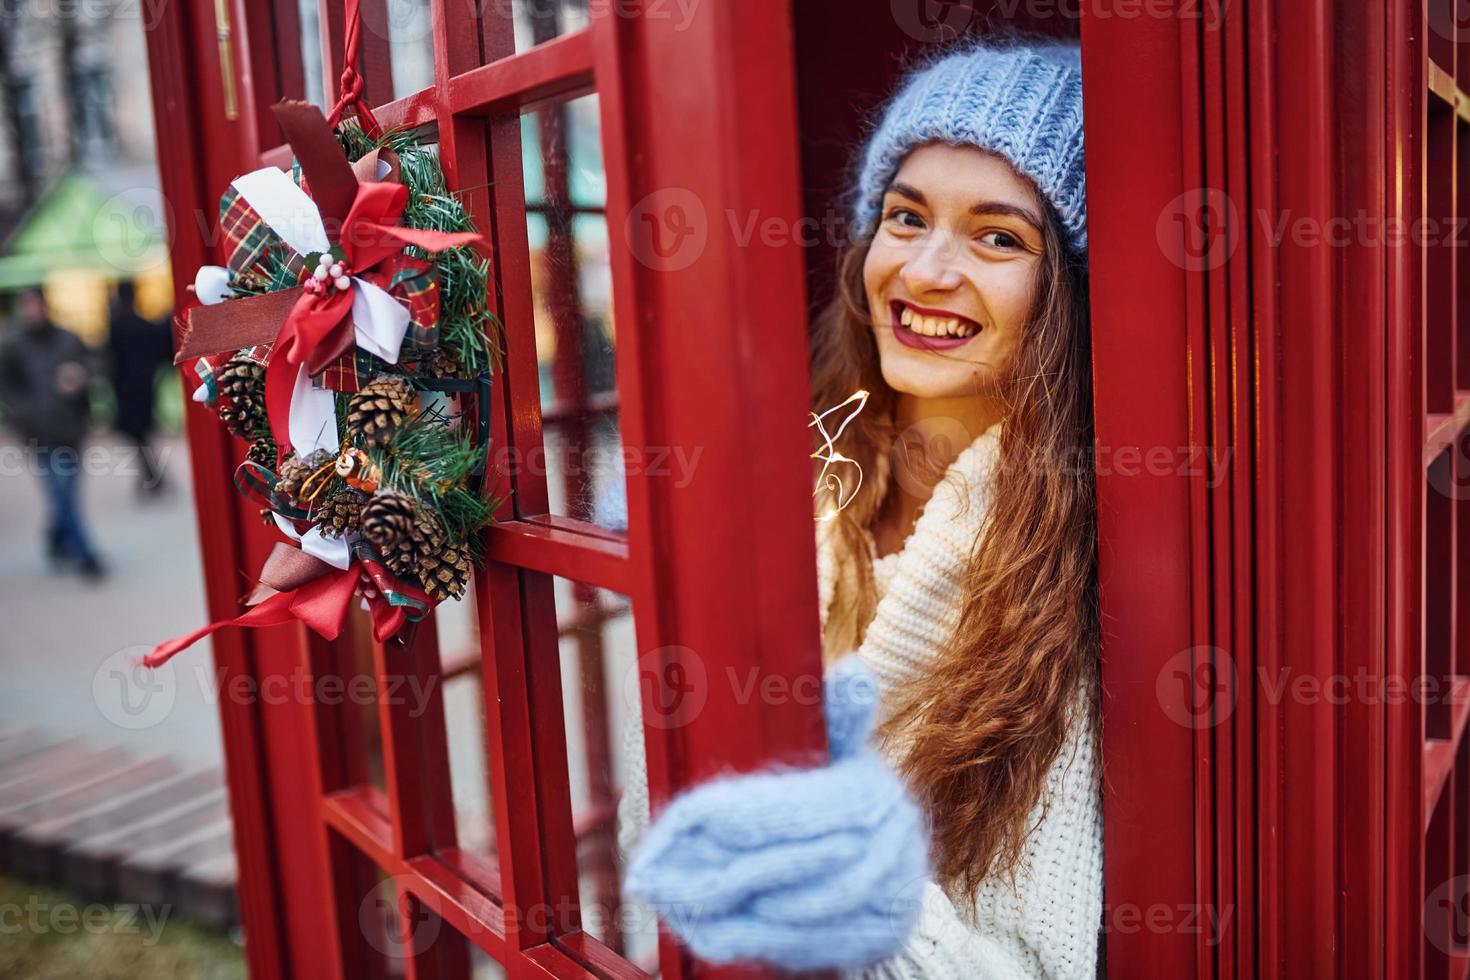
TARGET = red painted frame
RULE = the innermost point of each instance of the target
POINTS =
(1305, 369)
(306, 865)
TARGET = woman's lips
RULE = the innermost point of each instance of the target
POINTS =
(921, 341)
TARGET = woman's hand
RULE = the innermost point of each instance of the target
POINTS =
(808, 869)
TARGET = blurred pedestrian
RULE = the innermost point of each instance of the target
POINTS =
(44, 376)
(137, 348)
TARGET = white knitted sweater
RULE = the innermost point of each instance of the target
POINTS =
(1047, 924)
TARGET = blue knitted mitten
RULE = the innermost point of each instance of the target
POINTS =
(807, 869)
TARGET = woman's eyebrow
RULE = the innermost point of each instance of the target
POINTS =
(904, 190)
(1000, 207)
(983, 207)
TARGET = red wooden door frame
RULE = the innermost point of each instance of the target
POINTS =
(308, 829)
(1296, 363)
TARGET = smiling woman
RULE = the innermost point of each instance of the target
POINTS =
(954, 263)
(961, 572)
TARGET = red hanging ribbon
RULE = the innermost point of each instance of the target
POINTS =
(321, 600)
(321, 604)
(350, 85)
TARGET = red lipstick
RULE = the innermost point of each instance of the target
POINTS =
(921, 341)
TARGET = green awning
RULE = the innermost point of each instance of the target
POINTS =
(116, 231)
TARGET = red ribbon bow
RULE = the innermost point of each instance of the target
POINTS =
(297, 586)
(361, 220)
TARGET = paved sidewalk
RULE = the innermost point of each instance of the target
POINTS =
(65, 645)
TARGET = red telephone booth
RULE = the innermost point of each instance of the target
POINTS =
(1282, 384)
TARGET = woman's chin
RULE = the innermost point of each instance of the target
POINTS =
(925, 374)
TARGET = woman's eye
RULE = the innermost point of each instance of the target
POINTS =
(1001, 239)
(904, 218)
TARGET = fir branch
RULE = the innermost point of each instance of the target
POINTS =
(432, 461)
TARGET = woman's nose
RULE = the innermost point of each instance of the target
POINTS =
(934, 266)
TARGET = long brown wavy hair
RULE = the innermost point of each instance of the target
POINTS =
(978, 731)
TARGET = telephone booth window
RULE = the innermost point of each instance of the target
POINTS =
(566, 228)
(538, 21)
(463, 820)
(410, 46)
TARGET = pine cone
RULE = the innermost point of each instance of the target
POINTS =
(407, 555)
(263, 451)
(294, 470)
(387, 521)
(428, 533)
(404, 563)
(440, 363)
(445, 572)
(376, 412)
(341, 513)
(242, 396)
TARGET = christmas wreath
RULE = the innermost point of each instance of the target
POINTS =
(347, 338)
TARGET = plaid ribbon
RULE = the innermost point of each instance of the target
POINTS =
(207, 380)
(414, 602)
(258, 484)
(247, 237)
(413, 283)
(349, 372)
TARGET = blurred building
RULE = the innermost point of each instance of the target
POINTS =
(79, 200)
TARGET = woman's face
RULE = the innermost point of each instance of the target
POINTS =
(951, 273)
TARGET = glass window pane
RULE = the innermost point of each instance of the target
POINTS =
(410, 46)
(361, 724)
(598, 655)
(399, 929)
(538, 21)
(311, 52)
(576, 342)
(464, 718)
(575, 143)
(296, 42)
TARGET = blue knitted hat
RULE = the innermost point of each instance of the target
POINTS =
(1021, 101)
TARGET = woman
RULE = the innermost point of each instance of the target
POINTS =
(961, 572)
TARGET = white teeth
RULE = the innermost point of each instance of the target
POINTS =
(933, 326)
